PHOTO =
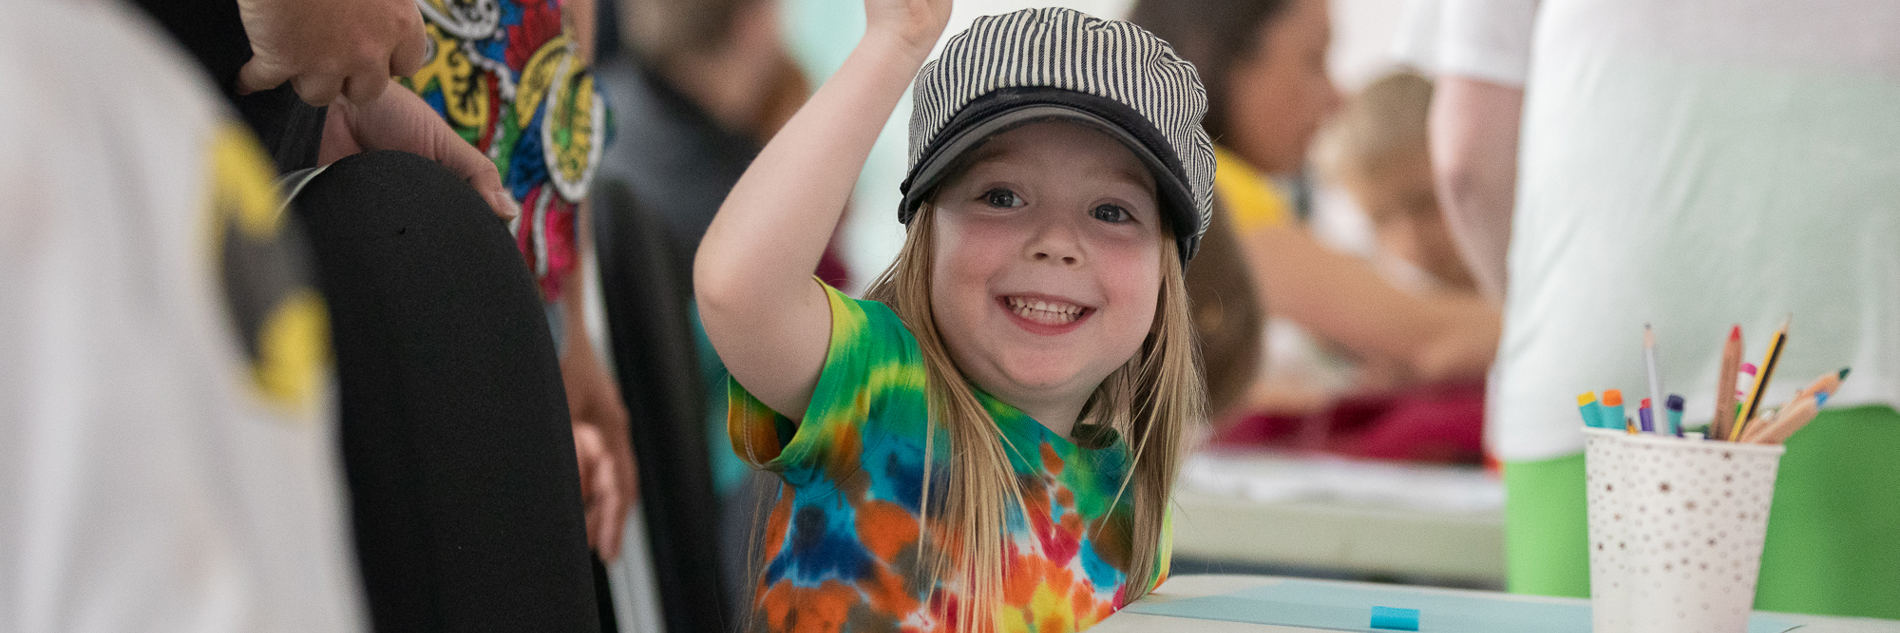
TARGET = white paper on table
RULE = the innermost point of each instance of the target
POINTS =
(1283, 478)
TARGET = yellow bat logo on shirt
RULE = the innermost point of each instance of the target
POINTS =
(264, 269)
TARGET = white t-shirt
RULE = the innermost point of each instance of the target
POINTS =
(1478, 39)
(167, 452)
(1694, 164)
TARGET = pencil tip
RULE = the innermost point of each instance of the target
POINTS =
(1844, 371)
(1735, 332)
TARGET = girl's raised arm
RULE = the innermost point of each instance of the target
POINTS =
(766, 316)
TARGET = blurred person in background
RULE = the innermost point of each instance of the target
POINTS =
(1264, 65)
(168, 451)
(513, 79)
(1377, 150)
(456, 434)
(697, 88)
(1686, 166)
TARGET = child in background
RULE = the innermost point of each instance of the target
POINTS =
(1377, 150)
(1265, 67)
(1264, 63)
(989, 442)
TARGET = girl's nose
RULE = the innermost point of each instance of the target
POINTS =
(1056, 240)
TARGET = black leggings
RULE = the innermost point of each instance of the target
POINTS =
(463, 485)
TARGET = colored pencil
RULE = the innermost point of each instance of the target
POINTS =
(1655, 399)
(1827, 383)
(1760, 390)
(1725, 384)
(1786, 421)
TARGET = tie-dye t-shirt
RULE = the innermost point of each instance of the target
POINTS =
(841, 546)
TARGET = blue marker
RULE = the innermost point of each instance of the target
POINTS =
(1647, 416)
(1592, 412)
(1674, 407)
(1612, 410)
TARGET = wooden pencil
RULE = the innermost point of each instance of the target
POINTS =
(1786, 421)
(1725, 384)
(1767, 372)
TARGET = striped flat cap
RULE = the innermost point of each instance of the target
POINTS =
(1034, 65)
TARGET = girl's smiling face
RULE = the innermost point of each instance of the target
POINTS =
(1047, 269)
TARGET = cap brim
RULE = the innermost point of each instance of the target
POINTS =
(944, 159)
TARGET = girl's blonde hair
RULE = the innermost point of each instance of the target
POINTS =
(1148, 401)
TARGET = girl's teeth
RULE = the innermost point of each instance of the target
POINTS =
(1042, 312)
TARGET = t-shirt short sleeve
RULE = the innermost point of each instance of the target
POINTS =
(1480, 39)
(1248, 196)
(873, 370)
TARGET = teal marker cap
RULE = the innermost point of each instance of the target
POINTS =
(1592, 412)
(1394, 619)
(1613, 417)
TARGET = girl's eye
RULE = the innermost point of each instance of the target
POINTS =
(1003, 198)
(1110, 213)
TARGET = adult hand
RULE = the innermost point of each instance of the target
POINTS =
(400, 120)
(329, 47)
(914, 23)
(609, 483)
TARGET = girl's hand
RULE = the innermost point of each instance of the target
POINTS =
(914, 24)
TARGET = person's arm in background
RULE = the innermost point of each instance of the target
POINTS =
(1474, 126)
(603, 446)
(1342, 299)
(1479, 56)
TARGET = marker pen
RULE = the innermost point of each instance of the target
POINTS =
(1613, 410)
(1592, 412)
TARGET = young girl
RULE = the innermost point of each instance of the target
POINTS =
(989, 442)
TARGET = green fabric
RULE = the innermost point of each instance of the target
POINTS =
(1833, 535)
(1546, 541)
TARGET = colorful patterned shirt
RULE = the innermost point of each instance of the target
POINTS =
(841, 547)
(509, 79)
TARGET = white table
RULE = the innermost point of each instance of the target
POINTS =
(1195, 586)
(1442, 522)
